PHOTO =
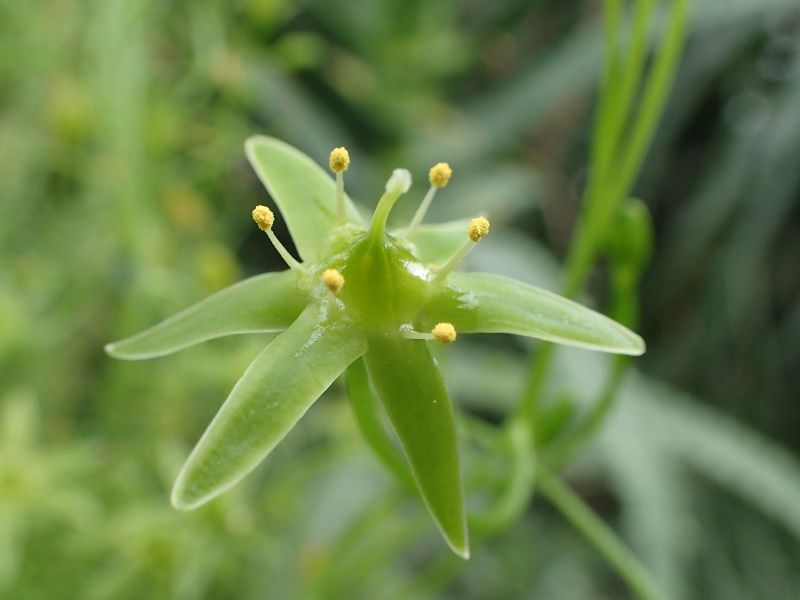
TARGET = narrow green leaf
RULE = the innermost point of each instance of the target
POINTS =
(413, 393)
(436, 243)
(304, 192)
(484, 303)
(268, 302)
(274, 392)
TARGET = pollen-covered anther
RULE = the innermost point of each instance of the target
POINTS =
(263, 217)
(333, 280)
(444, 333)
(440, 174)
(339, 159)
(478, 229)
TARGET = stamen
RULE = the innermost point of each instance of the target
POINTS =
(407, 331)
(444, 333)
(477, 230)
(396, 186)
(333, 280)
(264, 218)
(339, 161)
(439, 175)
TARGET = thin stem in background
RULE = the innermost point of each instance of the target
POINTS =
(608, 133)
(604, 194)
(516, 497)
(584, 519)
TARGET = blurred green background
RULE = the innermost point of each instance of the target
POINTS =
(125, 196)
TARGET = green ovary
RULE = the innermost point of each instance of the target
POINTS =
(385, 285)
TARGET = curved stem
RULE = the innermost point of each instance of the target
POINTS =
(574, 510)
(520, 486)
(563, 451)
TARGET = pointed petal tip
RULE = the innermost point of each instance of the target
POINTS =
(117, 350)
(113, 350)
(253, 139)
(639, 346)
(179, 499)
(459, 547)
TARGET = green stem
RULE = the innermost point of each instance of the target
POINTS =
(575, 510)
(612, 20)
(540, 368)
(654, 98)
(603, 195)
(624, 89)
(517, 495)
(562, 451)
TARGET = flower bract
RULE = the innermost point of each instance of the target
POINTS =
(365, 296)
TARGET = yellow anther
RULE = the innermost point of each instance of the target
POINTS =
(339, 160)
(333, 280)
(263, 217)
(440, 174)
(478, 229)
(444, 333)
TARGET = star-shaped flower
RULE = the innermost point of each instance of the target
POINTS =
(358, 293)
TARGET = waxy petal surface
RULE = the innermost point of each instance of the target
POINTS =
(437, 243)
(274, 392)
(484, 303)
(268, 302)
(414, 396)
(303, 191)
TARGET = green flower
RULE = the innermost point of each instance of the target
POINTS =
(359, 293)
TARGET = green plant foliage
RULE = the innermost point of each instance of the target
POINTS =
(124, 196)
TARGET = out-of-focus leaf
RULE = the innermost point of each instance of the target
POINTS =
(485, 303)
(413, 393)
(274, 392)
(656, 513)
(304, 192)
(724, 451)
(268, 302)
